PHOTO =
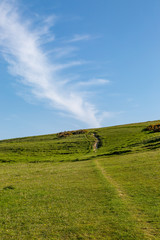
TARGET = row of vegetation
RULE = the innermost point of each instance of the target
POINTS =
(69, 133)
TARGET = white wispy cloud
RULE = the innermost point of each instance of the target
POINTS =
(79, 37)
(62, 52)
(96, 81)
(21, 47)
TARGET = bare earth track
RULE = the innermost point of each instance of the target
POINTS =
(95, 145)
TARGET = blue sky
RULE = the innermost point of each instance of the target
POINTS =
(77, 64)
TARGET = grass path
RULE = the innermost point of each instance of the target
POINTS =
(135, 213)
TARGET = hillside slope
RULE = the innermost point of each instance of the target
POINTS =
(59, 188)
(52, 148)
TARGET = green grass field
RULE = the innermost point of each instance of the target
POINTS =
(60, 188)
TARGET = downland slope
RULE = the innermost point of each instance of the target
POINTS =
(79, 146)
(94, 184)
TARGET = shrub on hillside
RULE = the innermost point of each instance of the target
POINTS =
(68, 133)
(153, 128)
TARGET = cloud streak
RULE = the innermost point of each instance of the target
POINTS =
(96, 81)
(78, 37)
(21, 47)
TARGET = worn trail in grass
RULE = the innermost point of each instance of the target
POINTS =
(135, 213)
(137, 175)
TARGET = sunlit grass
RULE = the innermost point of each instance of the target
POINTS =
(61, 201)
(59, 188)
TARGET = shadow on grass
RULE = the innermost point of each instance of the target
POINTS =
(7, 161)
(10, 187)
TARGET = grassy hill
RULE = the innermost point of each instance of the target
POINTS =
(55, 187)
(52, 148)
